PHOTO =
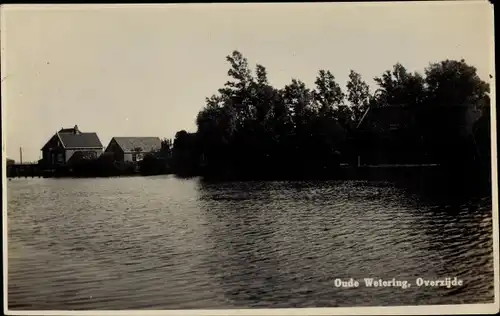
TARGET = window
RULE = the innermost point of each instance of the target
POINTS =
(136, 154)
(393, 126)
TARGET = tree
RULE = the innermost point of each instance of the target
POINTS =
(235, 92)
(298, 100)
(261, 75)
(452, 82)
(454, 90)
(358, 95)
(402, 87)
(328, 93)
(250, 128)
(344, 116)
(482, 136)
(239, 71)
(327, 133)
(166, 148)
(185, 152)
(262, 97)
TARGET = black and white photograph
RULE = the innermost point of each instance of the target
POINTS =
(249, 158)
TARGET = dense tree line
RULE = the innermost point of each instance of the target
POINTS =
(252, 129)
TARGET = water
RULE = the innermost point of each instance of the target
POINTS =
(166, 243)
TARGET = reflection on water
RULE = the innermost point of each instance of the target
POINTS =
(167, 243)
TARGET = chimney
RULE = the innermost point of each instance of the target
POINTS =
(76, 130)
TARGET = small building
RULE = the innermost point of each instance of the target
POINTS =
(397, 134)
(385, 134)
(65, 143)
(133, 149)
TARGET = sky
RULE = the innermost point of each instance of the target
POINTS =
(145, 70)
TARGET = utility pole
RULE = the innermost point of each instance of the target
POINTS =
(21, 155)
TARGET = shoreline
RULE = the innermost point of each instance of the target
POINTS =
(393, 173)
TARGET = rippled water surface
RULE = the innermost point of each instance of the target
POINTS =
(166, 243)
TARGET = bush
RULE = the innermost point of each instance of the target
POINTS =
(153, 165)
(103, 166)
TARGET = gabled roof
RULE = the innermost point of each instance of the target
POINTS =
(81, 140)
(73, 138)
(400, 115)
(146, 144)
(363, 117)
(386, 116)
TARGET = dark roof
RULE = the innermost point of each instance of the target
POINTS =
(80, 140)
(146, 144)
(399, 116)
(73, 138)
(392, 115)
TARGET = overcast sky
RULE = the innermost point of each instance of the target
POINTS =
(146, 70)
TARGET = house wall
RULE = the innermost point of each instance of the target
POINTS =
(129, 157)
(379, 150)
(53, 153)
(114, 148)
(70, 152)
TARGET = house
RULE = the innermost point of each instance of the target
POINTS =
(133, 149)
(384, 134)
(65, 143)
(397, 134)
